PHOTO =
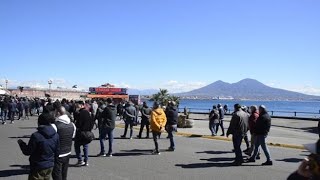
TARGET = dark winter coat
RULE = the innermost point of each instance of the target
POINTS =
(109, 116)
(43, 148)
(263, 124)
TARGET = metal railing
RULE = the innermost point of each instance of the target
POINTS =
(288, 114)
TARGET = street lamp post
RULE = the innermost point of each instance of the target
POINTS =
(7, 84)
(50, 82)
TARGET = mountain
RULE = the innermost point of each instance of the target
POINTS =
(246, 89)
(147, 92)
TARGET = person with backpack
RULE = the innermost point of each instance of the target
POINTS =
(214, 120)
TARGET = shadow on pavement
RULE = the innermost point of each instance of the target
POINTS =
(219, 159)
(13, 172)
(214, 152)
(24, 169)
(291, 160)
(21, 137)
(28, 127)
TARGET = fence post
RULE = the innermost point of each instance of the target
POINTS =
(295, 114)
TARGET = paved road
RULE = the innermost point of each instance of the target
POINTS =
(195, 158)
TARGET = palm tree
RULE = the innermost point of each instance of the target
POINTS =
(163, 97)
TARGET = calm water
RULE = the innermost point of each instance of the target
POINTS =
(286, 106)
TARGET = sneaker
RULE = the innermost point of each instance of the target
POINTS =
(268, 163)
(222, 135)
(147, 137)
(80, 163)
(123, 136)
(4, 123)
(12, 122)
(86, 164)
(139, 137)
(130, 138)
(171, 149)
(155, 152)
(109, 155)
(101, 155)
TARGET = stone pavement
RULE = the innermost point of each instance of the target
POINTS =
(195, 158)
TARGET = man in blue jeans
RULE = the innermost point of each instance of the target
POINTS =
(83, 123)
(238, 128)
(262, 130)
(108, 119)
(172, 120)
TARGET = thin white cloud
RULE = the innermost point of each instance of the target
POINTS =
(177, 87)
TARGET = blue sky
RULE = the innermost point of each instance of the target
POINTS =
(174, 44)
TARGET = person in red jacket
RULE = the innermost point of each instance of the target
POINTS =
(252, 124)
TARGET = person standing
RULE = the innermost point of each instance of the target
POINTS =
(214, 120)
(43, 148)
(238, 128)
(12, 110)
(108, 119)
(26, 108)
(84, 124)
(157, 124)
(221, 119)
(172, 121)
(252, 127)
(145, 119)
(130, 115)
(262, 130)
(5, 110)
(66, 130)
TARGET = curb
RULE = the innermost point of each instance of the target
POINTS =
(220, 138)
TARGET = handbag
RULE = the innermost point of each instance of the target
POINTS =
(85, 137)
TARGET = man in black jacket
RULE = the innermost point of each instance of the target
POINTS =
(66, 130)
(108, 119)
(145, 119)
(83, 123)
(262, 129)
(172, 121)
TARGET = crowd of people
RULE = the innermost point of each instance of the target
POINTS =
(62, 122)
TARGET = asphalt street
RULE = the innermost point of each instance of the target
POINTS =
(194, 158)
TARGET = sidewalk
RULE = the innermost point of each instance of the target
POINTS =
(284, 132)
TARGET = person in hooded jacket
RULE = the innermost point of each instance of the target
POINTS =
(108, 119)
(66, 130)
(157, 124)
(43, 148)
(172, 121)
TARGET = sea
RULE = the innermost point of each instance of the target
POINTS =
(309, 109)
